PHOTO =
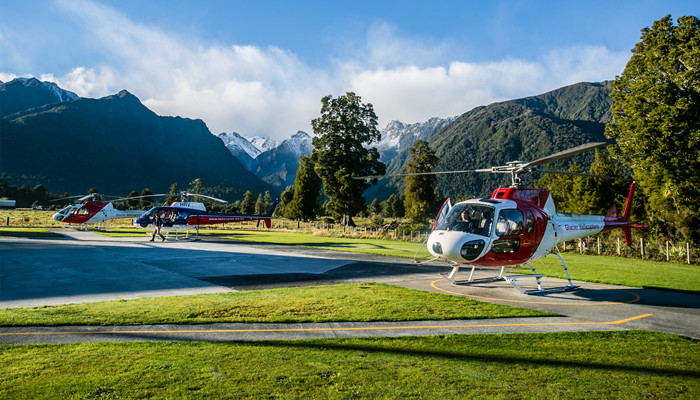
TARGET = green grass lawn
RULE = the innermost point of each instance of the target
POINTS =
(349, 302)
(623, 271)
(29, 232)
(595, 365)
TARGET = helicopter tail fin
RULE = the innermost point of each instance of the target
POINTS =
(626, 215)
(628, 204)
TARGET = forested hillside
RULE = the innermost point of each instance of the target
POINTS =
(117, 145)
(523, 129)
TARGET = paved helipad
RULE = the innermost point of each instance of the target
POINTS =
(89, 267)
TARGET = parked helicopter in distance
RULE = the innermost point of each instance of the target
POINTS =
(93, 210)
(189, 215)
(515, 226)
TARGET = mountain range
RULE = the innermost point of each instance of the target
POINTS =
(51, 136)
(274, 162)
(523, 129)
(115, 144)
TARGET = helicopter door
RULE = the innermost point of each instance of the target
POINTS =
(442, 214)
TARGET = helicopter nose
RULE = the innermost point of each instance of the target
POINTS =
(458, 247)
(58, 217)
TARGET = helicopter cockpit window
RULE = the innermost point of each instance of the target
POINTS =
(83, 211)
(469, 218)
(510, 222)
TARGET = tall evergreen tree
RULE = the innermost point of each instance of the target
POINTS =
(196, 186)
(393, 206)
(285, 200)
(656, 120)
(173, 194)
(267, 201)
(131, 202)
(422, 194)
(248, 203)
(344, 127)
(147, 199)
(259, 204)
(307, 191)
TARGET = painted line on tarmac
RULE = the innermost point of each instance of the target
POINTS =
(368, 328)
(635, 298)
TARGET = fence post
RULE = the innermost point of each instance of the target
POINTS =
(687, 250)
(618, 246)
(667, 250)
(598, 245)
(642, 246)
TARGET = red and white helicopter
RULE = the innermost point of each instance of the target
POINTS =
(93, 211)
(515, 226)
(189, 215)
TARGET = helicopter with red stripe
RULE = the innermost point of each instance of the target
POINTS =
(93, 210)
(515, 226)
(183, 215)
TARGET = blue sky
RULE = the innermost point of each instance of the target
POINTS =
(261, 67)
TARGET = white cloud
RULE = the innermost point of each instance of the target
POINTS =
(270, 92)
(6, 76)
(413, 94)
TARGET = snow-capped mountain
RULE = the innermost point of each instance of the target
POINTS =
(299, 144)
(398, 137)
(263, 144)
(272, 161)
(236, 143)
(25, 93)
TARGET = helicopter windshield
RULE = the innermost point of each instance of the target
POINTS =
(470, 218)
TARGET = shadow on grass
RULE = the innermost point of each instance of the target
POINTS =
(465, 356)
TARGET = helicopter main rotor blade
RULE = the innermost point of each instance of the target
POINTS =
(206, 197)
(421, 173)
(582, 174)
(564, 154)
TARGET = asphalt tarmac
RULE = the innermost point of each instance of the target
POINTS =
(88, 267)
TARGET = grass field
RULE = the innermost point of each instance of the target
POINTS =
(597, 365)
(28, 232)
(623, 271)
(350, 302)
(594, 365)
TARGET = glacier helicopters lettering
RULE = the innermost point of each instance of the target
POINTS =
(186, 215)
(92, 209)
(515, 226)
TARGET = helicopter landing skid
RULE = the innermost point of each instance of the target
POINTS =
(538, 277)
(187, 235)
(471, 280)
(512, 279)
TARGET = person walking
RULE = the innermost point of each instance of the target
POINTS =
(157, 223)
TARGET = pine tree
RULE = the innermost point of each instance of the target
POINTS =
(422, 194)
(259, 204)
(248, 203)
(147, 199)
(307, 191)
(131, 202)
(285, 200)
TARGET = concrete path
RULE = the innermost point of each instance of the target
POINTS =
(90, 267)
